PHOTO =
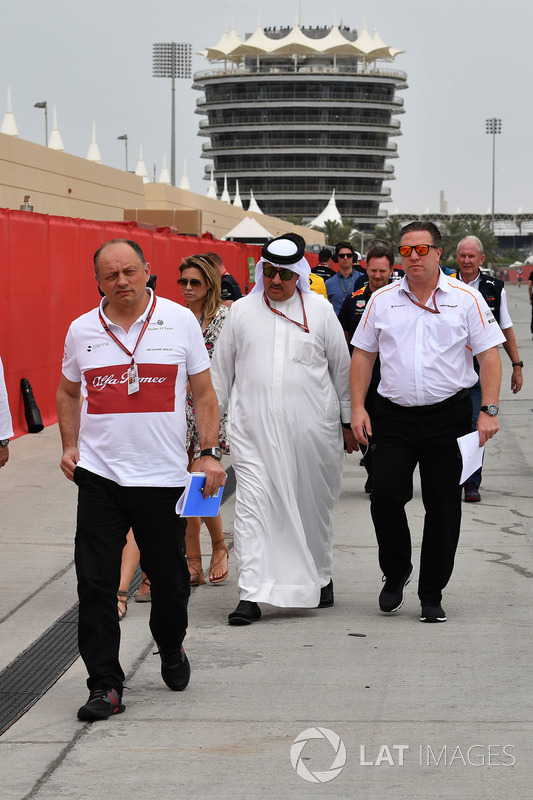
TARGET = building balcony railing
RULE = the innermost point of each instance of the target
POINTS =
(276, 95)
(319, 148)
(299, 119)
(317, 166)
(358, 70)
(283, 191)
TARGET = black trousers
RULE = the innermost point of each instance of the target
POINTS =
(403, 438)
(106, 511)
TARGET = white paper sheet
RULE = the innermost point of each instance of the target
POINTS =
(471, 453)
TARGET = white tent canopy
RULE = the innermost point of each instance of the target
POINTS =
(248, 228)
(331, 212)
(296, 42)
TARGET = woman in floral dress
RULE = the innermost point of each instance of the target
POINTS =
(200, 284)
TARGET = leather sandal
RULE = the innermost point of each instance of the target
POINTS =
(196, 570)
(220, 552)
(145, 597)
(122, 605)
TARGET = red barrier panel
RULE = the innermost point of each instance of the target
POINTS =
(48, 280)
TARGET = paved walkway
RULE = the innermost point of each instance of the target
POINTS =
(440, 711)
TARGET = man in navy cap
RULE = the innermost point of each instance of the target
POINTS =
(281, 367)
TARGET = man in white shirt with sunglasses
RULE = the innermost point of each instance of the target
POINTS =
(426, 328)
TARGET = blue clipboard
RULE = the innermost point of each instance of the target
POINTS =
(192, 502)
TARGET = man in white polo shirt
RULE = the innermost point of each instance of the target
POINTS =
(131, 359)
(426, 328)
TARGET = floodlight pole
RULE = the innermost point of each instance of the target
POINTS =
(44, 104)
(493, 126)
(172, 60)
(124, 138)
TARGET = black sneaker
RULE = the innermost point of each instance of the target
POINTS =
(472, 493)
(432, 613)
(326, 596)
(391, 596)
(102, 703)
(175, 670)
(245, 613)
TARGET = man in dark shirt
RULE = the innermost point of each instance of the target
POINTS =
(379, 265)
(230, 289)
(323, 268)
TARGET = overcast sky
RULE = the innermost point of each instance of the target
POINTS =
(466, 61)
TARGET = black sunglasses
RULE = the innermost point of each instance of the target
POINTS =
(193, 282)
(284, 274)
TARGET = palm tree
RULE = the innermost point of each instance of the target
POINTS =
(453, 230)
(389, 231)
(335, 231)
(294, 219)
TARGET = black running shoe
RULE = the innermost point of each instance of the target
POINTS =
(472, 493)
(175, 670)
(102, 703)
(432, 613)
(391, 596)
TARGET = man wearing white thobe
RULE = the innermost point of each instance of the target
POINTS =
(281, 369)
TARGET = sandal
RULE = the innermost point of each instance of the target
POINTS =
(145, 597)
(196, 571)
(122, 605)
(221, 548)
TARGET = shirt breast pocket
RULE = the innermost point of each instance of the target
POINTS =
(301, 348)
(447, 331)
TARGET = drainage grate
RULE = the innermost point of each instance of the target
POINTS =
(34, 671)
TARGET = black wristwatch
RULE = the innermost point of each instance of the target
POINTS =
(517, 363)
(491, 410)
(4, 442)
(215, 452)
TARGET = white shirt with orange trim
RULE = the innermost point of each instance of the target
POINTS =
(136, 439)
(426, 357)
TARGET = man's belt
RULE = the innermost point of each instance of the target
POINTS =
(449, 401)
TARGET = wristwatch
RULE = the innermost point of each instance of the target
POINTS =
(491, 410)
(517, 363)
(215, 452)
(4, 442)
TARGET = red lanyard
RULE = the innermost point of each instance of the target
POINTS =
(144, 327)
(433, 310)
(299, 324)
